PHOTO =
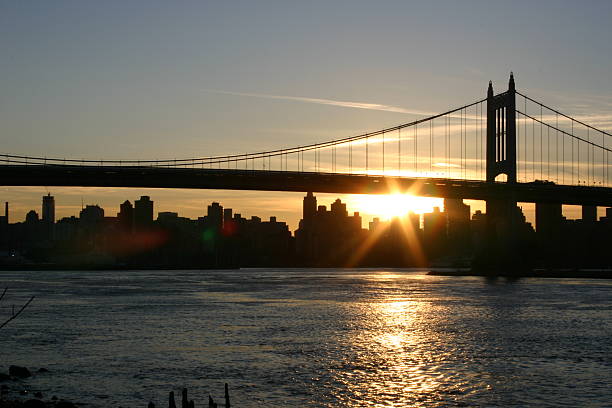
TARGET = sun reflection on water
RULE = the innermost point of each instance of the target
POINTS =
(398, 360)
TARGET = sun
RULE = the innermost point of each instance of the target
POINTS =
(388, 206)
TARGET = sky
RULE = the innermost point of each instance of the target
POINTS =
(158, 79)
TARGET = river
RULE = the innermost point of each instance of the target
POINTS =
(311, 337)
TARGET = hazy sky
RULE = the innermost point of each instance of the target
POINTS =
(160, 79)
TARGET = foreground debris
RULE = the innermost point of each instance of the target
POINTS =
(186, 403)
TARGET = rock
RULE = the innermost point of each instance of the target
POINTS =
(4, 377)
(34, 403)
(4, 387)
(43, 370)
(18, 371)
(54, 398)
(38, 395)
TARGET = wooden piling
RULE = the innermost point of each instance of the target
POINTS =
(227, 399)
(171, 403)
(184, 400)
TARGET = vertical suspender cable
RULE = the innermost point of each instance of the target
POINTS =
(476, 152)
(448, 143)
(351, 157)
(429, 123)
(533, 162)
(518, 144)
(399, 151)
(383, 152)
(541, 151)
(603, 143)
(548, 153)
(562, 152)
(578, 160)
(572, 152)
(416, 149)
(367, 143)
(525, 144)
(462, 153)
(588, 159)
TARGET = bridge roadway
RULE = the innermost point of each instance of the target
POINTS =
(224, 179)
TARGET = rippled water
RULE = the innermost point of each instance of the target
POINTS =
(329, 338)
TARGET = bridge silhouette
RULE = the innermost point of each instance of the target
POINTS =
(504, 148)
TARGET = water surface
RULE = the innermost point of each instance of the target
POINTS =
(303, 337)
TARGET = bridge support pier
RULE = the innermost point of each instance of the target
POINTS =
(589, 213)
(502, 252)
(549, 221)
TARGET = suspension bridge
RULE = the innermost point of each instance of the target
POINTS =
(505, 147)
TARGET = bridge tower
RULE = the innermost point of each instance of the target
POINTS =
(501, 133)
(503, 216)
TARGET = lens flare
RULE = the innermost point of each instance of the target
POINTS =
(393, 205)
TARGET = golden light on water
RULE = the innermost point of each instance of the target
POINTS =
(398, 364)
(393, 205)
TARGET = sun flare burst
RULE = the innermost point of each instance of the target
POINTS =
(388, 206)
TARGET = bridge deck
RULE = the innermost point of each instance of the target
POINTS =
(223, 179)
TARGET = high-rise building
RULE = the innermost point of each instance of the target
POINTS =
(309, 207)
(457, 225)
(327, 237)
(227, 215)
(143, 212)
(338, 209)
(48, 216)
(215, 215)
(91, 216)
(4, 218)
(48, 209)
(434, 230)
(548, 219)
(125, 216)
(4, 221)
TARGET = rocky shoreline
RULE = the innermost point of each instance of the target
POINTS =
(14, 392)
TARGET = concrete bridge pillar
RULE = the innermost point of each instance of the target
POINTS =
(549, 223)
(589, 213)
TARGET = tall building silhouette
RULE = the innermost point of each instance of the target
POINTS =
(143, 212)
(457, 226)
(48, 215)
(91, 216)
(434, 231)
(215, 216)
(48, 209)
(4, 227)
(309, 207)
(327, 237)
(4, 219)
(125, 217)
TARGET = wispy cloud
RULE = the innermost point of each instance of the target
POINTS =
(331, 102)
